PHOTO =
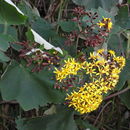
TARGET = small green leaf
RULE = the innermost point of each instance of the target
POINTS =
(68, 26)
(4, 41)
(16, 47)
(3, 57)
(29, 35)
(62, 120)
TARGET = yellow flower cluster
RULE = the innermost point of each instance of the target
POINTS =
(85, 100)
(103, 69)
(106, 23)
(70, 68)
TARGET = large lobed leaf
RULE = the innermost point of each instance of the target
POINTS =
(123, 18)
(106, 4)
(9, 14)
(4, 41)
(3, 57)
(62, 120)
(31, 90)
(124, 76)
(125, 98)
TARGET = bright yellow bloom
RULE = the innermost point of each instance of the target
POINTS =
(85, 65)
(104, 69)
(90, 70)
(105, 23)
(85, 100)
(106, 19)
(93, 56)
(100, 51)
(100, 24)
(70, 68)
(112, 53)
(109, 25)
(120, 60)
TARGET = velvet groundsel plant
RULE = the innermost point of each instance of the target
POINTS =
(89, 31)
(103, 68)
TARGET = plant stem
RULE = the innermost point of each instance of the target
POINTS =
(5, 28)
(118, 93)
(60, 13)
(128, 45)
(101, 112)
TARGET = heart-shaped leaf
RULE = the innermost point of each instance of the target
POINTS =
(31, 90)
(62, 120)
(10, 14)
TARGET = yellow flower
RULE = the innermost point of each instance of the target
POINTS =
(111, 52)
(100, 24)
(85, 65)
(103, 68)
(70, 68)
(90, 70)
(106, 19)
(120, 60)
(100, 51)
(106, 23)
(85, 100)
(93, 56)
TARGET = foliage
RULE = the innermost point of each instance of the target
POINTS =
(32, 47)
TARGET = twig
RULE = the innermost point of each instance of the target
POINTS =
(8, 102)
(116, 94)
(120, 45)
(101, 112)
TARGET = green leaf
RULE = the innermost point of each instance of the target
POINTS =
(16, 47)
(117, 43)
(3, 57)
(43, 28)
(31, 90)
(26, 8)
(62, 120)
(85, 125)
(124, 76)
(11, 31)
(115, 29)
(123, 19)
(58, 41)
(4, 41)
(68, 26)
(29, 35)
(114, 43)
(107, 5)
(10, 15)
(125, 98)
(101, 13)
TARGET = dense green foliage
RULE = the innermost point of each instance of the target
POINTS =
(35, 90)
